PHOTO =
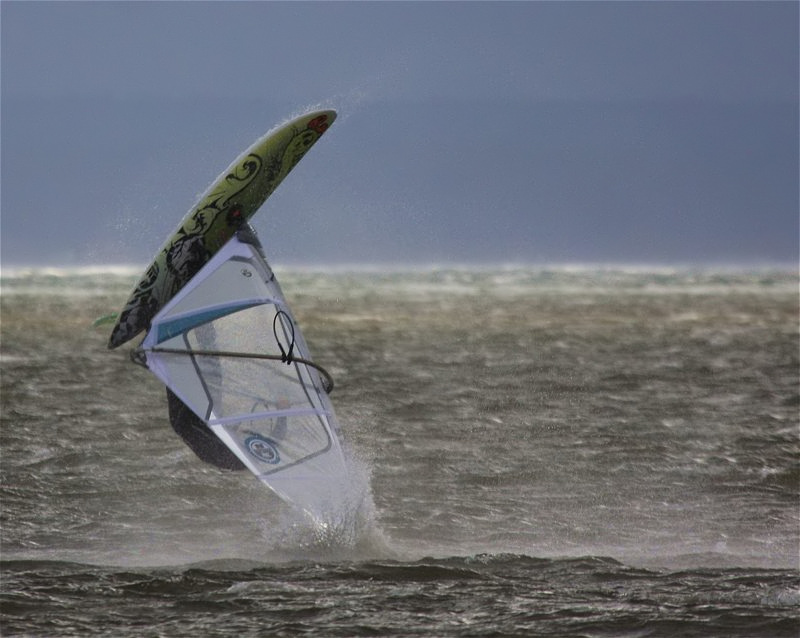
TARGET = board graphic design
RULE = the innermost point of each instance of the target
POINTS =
(223, 209)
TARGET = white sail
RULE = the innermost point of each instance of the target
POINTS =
(228, 346)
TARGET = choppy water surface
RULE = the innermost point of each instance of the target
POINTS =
(576, 452)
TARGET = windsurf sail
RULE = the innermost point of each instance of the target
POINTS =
(228, 347)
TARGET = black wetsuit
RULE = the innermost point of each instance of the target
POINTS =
(197, 435)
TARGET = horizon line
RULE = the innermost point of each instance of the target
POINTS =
(131, 269)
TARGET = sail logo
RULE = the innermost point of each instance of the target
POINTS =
(263, 449)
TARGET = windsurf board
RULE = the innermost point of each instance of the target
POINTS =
(227, 205)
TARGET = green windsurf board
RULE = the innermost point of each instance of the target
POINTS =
(223, 209)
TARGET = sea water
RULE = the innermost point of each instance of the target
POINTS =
(542, 451)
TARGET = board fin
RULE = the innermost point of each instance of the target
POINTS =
(105, 320)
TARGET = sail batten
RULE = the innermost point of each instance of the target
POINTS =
(267, 415)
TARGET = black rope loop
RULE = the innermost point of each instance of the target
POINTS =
(286, 355)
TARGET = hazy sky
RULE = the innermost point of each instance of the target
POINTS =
(484, 132)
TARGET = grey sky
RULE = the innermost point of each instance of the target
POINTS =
(468, 132)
